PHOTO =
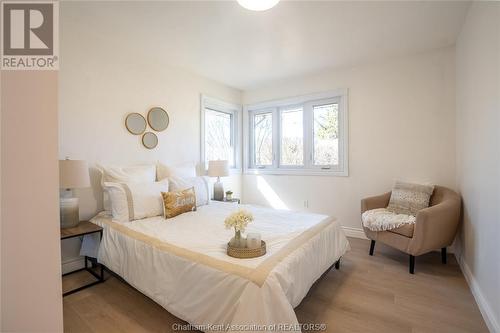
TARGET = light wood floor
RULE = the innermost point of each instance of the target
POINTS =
(367, 294)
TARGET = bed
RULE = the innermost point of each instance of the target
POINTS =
(181, 263)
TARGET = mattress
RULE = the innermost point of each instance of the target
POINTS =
(181, 263)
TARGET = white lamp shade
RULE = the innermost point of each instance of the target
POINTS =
(219, 168)
(258, 5)
(73, 174)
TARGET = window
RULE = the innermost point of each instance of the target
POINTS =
(292, 137)
(304, 135)
(219, 131)
(263, 138)
(218, 136)
(325, 134)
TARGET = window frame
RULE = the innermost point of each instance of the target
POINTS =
(217, 105)
(272, 111)
(307, 103)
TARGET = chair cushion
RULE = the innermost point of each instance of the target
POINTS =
(381, 219)
(404, 230)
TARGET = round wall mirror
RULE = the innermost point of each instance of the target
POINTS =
(135, 123)
(149, 140)
(158, 119)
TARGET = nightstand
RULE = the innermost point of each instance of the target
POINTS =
(84, 228)
(234, 200)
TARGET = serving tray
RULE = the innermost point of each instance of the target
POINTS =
(246, 253)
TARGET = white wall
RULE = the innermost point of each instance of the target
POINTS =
(30, 242)
(101, 81)
(478, 154)
(1, 313)
(401, 126)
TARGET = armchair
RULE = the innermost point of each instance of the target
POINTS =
(435, 227)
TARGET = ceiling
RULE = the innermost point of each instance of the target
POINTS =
(240, 48)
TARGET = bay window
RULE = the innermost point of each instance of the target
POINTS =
(303, 135)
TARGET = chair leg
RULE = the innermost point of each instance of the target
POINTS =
(443, 255)
(412, 264)
(337, 264)
(372, 247)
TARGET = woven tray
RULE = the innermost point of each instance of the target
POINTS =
(245, 253)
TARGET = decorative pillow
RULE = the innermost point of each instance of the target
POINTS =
(178, 202)
(407, 198)
(125, 174)
(184, 170)
(200, 185)
(133, 201)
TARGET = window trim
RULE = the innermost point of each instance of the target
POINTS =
(307, 101)
(207, 102)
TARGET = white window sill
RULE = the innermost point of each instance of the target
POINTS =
(297, 172)
(235, 171)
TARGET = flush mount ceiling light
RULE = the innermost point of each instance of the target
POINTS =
(258, 5)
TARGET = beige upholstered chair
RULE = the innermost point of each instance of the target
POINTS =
(435, 226)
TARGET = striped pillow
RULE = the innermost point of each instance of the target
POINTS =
(133, 201)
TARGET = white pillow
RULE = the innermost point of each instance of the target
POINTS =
(116, 199)
(184, 170)
(200, 184)
(125, 174)
(133, 201)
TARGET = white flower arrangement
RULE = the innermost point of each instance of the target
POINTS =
(238, 220)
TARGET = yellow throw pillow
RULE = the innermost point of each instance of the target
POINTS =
(178, 202)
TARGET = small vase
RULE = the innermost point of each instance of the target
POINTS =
(236, 240)
(243, 242)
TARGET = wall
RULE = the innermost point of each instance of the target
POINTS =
(478, 154)
(30, 244)
(101, 81)
(1, 313)
(401, 126)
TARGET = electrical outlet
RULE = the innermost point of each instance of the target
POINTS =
(306, 203)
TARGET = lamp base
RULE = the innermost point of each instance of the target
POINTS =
(70, 216)
(218, 191)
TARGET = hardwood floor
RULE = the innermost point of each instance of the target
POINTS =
(367, 294)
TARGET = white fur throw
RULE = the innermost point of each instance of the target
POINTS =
(381, 219)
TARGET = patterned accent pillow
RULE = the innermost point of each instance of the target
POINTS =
(178, 202)
(407, 198)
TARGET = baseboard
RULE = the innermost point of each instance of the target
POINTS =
(73, 264)
(484, 307)
(354, 232)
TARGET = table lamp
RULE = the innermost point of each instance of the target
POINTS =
(219, 168)
(72, 174)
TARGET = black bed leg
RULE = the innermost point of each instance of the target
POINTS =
(443, 255)
(412, 264)
(372, 247)
(337, 264)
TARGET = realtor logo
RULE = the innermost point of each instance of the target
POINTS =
(29, 35)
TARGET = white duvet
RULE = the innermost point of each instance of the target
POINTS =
(182, 264)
